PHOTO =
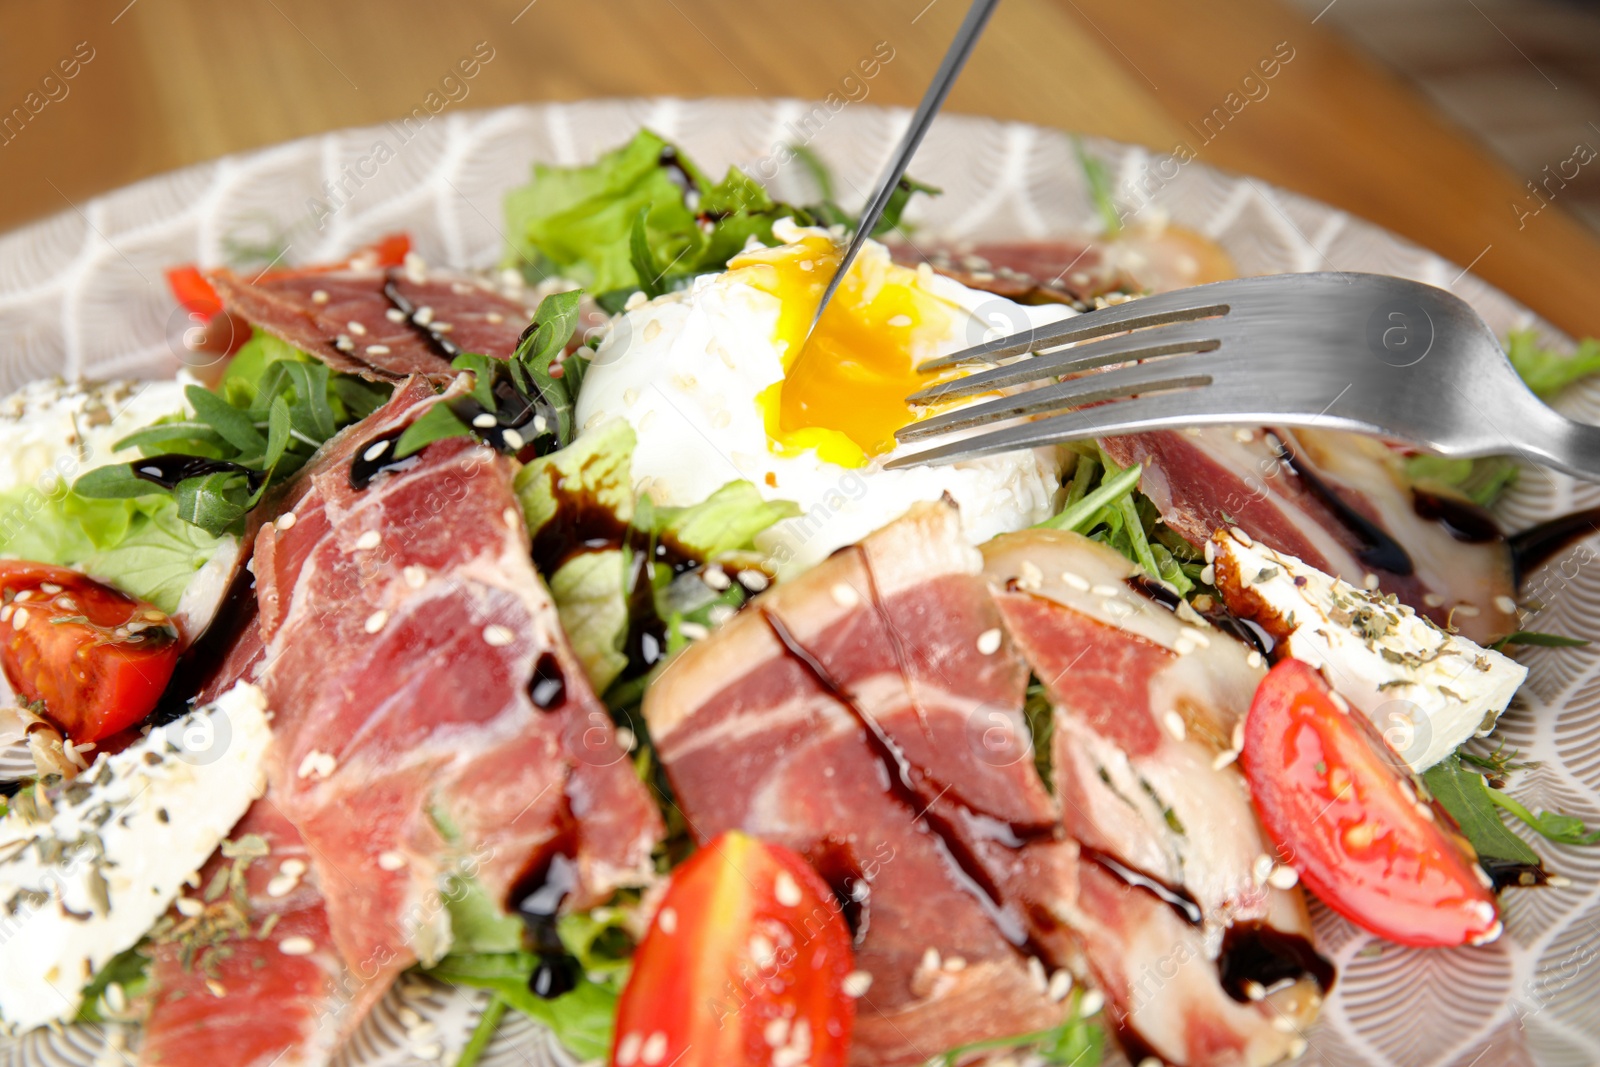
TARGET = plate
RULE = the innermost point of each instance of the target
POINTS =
(82, 293)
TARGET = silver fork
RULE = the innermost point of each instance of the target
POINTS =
(1363, 352)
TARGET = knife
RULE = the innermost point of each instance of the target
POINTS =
(954, 59)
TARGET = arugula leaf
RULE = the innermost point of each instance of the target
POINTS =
(1079, 516)
(1546, 371)
(435, 424)
(477, 923)
(482, 1033)
(903, 191)
(1535, 637)
(1466, 796)
(1077, 1042)
(128, 968)
(1100, 190)
(1563, 829)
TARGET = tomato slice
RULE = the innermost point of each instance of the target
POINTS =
(744, 966)
(96, 659)
(190, 288)
(1329, 794)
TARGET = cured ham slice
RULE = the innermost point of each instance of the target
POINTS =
(868, 716)
(347, 318)
(430, 716)
(1342, 503)
(1147, 708)
(251, 978)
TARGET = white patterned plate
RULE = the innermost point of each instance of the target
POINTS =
(84, 294)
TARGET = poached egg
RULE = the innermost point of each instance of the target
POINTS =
(718, 385)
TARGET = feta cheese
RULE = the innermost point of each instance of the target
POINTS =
(1427, 690)
(53, 430)
(90, 866)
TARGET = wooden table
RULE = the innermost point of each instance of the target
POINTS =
(171, 82)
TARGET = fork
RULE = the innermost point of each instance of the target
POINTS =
(1363, 352)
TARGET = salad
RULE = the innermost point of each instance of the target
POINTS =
(557, 633)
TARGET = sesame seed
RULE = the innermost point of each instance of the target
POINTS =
(1208, 574)
(293, 867)
(1075, 581)
(1255, 990)
(955, 964)
(281, 885)
(667, 919)
(856, 984)
(356, 328)
(1060, 986)
(1253, 659)
(989, 642)
(395, 315)
(497, 636)
(319, 296)
(1241, 537)
(484, 421)
(628, 1049)
(1432, 600)
(1031, 577)
(1105, 590)
(416, 577)
(1183, 646)
(391, 860)
(370, 539)
(1555, 881)
(5, 612)
(1041, 981)
(1091, 1004)
(297, 946)
(1224, 758)
(442, 327)
(655, 1049)
(786, 889)
(1175, 725)
(1283, 877)
(754, 581)
(423, 316)
(931, 960)
(20, 619)
(494, 317)
(1283, 1024)
(627, 739)
(512, 438)
(652, 329)
(1261, 869)
(189, 906)
(1468, 610)
(316, 765)
(1369, 582)
(1211, 551)
(845, 595)
(344, 344)
(717, 578)
(48, 589)
(376, 449)
(216, 988)
(285, 521)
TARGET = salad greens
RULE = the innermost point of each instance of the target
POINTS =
(645, 218)
(139, 545)
(273, 408)
(1077, 1042)
(596, 590)
(1546, 371)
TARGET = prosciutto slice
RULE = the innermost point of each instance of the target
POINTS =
(869, 715)
(856, 716)
(430, 714)
(257, 985)
(380, 324)
(1147, 709)
(1343, 504)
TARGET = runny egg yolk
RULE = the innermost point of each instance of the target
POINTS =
(844, 392)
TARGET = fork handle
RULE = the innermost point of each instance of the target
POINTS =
(1557, 441)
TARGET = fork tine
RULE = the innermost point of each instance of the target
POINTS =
(1167, 411)
(1182, 305)
(1164, 341)
(1105, 385)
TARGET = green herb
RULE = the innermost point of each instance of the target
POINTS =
(128, 969)
(581, 1020)
(1480, 480)
(1077, 1042)
(1562, 829)
(1547, 371)
(483, 1033)
(1534, 637)
(1100, 189)
(1041, 719)
(1498, 763)
(273, 408)
(1080, 516)
(1469, 800)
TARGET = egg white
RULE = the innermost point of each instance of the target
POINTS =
(685, 370)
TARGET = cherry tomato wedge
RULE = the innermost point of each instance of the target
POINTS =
(745, 965)
(190, 288)
(96, 659)
(1332, 801)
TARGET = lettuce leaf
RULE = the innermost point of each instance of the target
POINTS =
(1546, 371)
(581, 1020)
(726, 521)
(136, 544)
(644, 218)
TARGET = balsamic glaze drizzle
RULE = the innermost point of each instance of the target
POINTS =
(1179, 900)
(1537, 544)
(370, 460)
(1255, 953)
(1379, 551)
(548, 690)
(442, 346)
(168, 470)
(903, 780)
(537, 898)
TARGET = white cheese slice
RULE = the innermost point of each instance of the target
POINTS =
(1426, 689)
(53, 430)
(91, 867)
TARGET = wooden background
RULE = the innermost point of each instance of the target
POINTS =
(173, 82)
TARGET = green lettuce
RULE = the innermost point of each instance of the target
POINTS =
(645, 218)
(591, 481)
(1546, 371)
(136, 544)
